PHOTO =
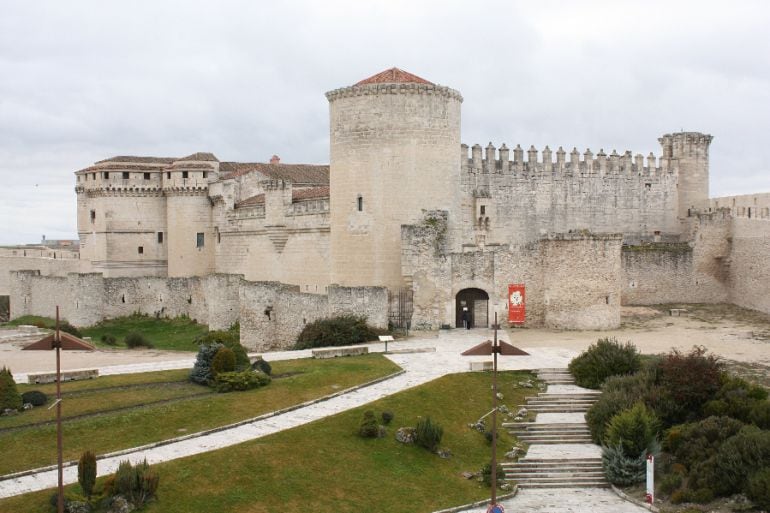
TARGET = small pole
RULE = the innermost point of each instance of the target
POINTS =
(494, 416)
(57, 344)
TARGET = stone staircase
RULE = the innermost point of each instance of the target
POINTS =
(561, 470)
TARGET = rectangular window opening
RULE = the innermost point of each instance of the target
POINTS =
(106, 175)
(160, 237)
(93, 216)
(140, 250)
(147, 176)
(205, 174)
(125, 175)
(184, 174)
(199, 239)
(483, 210)
(168, 175)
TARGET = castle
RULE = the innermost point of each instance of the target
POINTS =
(405, 224)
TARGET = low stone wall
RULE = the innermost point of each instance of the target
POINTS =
(271, 314)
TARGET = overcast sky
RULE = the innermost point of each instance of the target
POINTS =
(81, 81)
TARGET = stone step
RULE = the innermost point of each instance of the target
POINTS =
(542, 426)
(555, 474)
(559, 409)
(550, 432)
(555, 441)
(566, 484)
(550, 402)
(525, 465)
(593, 459)
(585, 395)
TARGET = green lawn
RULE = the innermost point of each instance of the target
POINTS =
(326, 467)
(190, 408)
(175, 334)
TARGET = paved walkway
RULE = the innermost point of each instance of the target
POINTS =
(420, 367)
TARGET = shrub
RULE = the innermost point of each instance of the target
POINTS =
(607, 406)
(387, 417)
(758, 489)
(633, 430)
(9, 395)
(137, 483)
(231, 340)
(66, 327)
(606, 358)
(34, 397)
(110, 340)
(680, 496)
(262, 365)
(428, 434)
(223, 361)
(760, 415)
(134, 340)
(702, 496)
(669, 483)
(240, 380)
(201, 371)
(87, 472)
(623, 470)
(369, 427)
(740, 456)
(336, 331)
(486, 474)
(688, 381)
(736, 398)
(698, 441)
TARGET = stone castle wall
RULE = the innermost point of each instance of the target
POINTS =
(516, 200)
(572, 280)
(271, 314)
(14, 260)
(749, 264)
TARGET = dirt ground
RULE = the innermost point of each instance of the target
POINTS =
(741, 337)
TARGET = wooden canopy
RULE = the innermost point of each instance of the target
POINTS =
(68, 342)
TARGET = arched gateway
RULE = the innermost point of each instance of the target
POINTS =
(477, 303)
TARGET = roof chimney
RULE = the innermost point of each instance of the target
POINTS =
(275, 159)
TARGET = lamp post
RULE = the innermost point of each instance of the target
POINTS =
(59, 341)
(494, 347)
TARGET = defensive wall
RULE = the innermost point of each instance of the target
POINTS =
(271, 314)
(572, 280)
(49, 261)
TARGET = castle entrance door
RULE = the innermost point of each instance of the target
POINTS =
(477, 303)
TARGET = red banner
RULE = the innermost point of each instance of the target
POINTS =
(516, 303)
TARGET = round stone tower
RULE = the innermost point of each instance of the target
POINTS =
(394, 153)
(689, 152)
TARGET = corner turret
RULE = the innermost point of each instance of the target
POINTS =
(689, 153)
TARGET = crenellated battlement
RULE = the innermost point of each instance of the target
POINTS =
(490, 160)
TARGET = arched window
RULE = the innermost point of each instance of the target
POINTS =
(360, 203)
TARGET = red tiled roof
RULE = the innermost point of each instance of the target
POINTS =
(394, 76)
(259, 199)
(140, 160)
(309, 193)
(295, 173)
(296, 195)
(201, 156)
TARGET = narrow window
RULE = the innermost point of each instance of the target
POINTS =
(205, 174)
(168, 175)
(199, 240)
(106, 175)
(125, 175)
(93, 216)
(93, 176)
(184, 174)
(160, 237)
(483, 210)
(140, 250)
(219, 235)
(147, 176)
(360, 203)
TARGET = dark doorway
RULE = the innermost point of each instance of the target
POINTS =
(477, 302)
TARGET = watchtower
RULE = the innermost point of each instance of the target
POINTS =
(689, 152)
(394, 140)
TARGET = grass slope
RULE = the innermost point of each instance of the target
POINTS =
(325, 467)
(188, 411)
(175, 334)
